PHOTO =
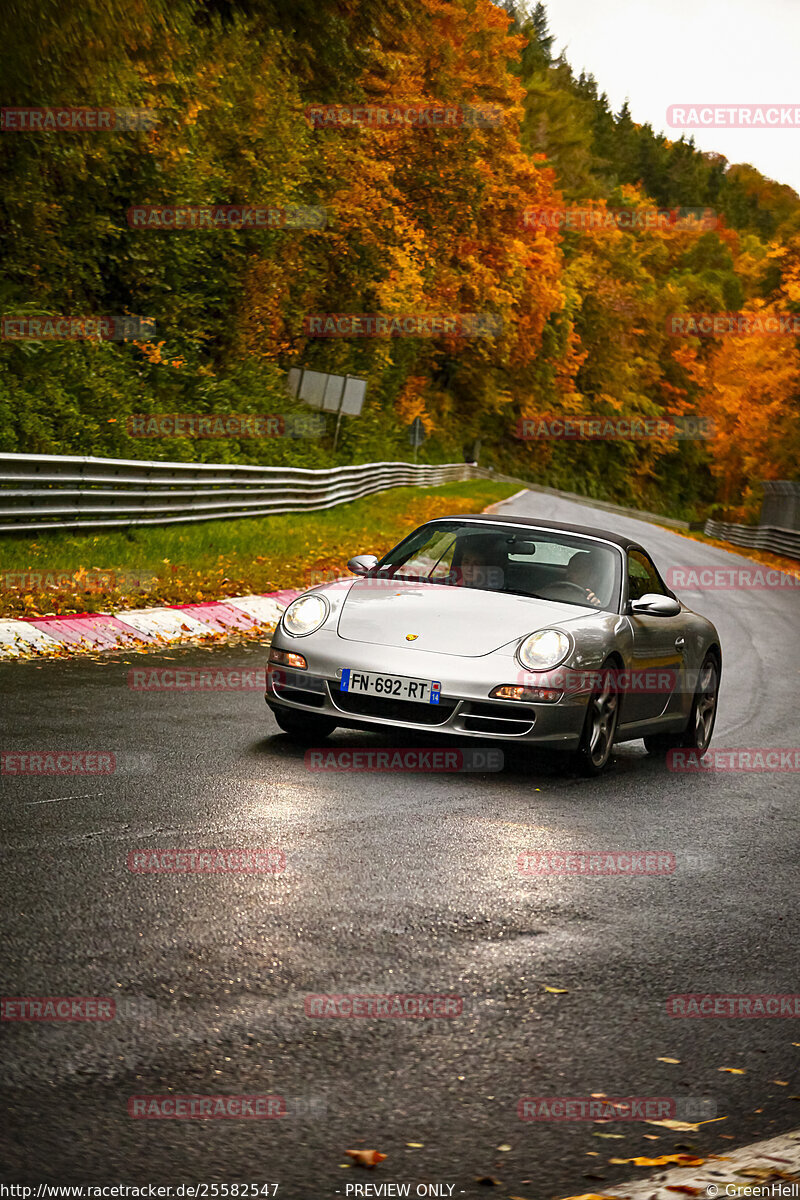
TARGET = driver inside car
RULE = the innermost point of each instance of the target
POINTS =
(478, 563)
(585, 570)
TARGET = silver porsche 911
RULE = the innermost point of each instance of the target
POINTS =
(551, 635)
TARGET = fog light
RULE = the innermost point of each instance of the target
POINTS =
(514, 692)
(287, 658)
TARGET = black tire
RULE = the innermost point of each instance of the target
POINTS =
(600, 726)
(702, 716)
(304, 727)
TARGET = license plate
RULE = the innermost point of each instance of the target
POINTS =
(394, 687)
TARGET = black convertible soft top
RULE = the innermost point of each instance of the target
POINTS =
(625, 543)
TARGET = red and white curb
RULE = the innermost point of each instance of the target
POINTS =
(770, 1168)
(142, 628)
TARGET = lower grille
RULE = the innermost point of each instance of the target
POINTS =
(392, 710)
(298, 696)
(499, 719)
(298, 687)
(505, 712)
(498, 728)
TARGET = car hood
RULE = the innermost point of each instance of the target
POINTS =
(445, 620)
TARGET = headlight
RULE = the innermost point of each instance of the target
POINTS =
(305, 615)
(544, 650)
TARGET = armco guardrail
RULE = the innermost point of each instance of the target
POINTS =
(43, 491)
(757, 537)
(781, 505)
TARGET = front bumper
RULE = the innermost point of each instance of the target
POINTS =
(465, 708)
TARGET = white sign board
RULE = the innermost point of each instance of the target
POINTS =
(343, 394)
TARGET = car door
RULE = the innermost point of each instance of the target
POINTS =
(657, 647)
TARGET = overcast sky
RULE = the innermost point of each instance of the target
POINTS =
(693, 51)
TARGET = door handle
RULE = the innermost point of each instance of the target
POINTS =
(680, 641)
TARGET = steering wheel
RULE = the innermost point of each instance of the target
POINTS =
(573, 587)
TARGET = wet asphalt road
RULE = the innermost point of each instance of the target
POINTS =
(393, 883)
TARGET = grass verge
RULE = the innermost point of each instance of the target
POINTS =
(184, 564)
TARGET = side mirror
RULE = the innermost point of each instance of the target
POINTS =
(362, 564)
(653, 605)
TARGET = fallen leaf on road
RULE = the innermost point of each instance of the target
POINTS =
(781, 1082)
(598, 1095)
(685, 1126)
(609, 1135)
(416, 1145)
(587, 1196)
(557, 991)
(686, 1190)
(651, 1137)
(669, 1060)
(732, 1070)
(680, 1160)
(505, 1146)
(366, 1158)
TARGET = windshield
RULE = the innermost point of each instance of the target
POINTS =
(543, 564)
